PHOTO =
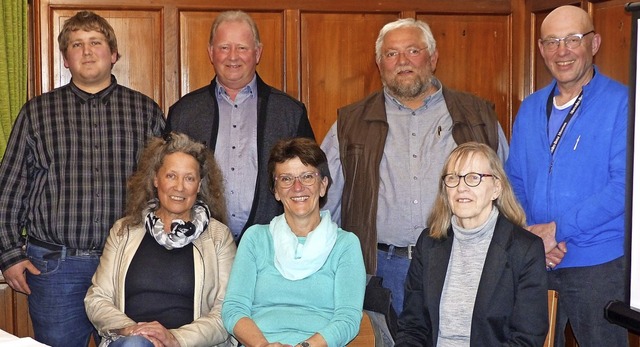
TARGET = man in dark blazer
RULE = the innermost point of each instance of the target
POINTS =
(240, 117)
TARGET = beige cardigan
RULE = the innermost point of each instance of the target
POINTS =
(213, 256)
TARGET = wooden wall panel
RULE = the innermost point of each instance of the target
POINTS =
(322, 52)
(610, 20)
(475, 56)
(613, 23)
(540, 10)
(23, 325)
(141, 64)
(542, 75)
(6, 308)
(195, 68)
(338, 62)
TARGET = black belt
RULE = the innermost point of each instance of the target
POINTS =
(405, 252)
(58, 250)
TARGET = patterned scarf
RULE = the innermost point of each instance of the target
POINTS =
(182, 233)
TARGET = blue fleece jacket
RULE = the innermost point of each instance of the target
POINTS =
(582, 186)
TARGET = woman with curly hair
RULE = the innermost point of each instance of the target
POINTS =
(164, 270)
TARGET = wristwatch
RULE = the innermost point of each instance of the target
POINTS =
(304, 344)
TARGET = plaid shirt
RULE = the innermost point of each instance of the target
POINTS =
(64, 173)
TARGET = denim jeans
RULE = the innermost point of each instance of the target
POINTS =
(131, 341)
(583, 293)
(393, 270)
(56, 303)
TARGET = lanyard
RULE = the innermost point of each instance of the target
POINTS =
(573, 110)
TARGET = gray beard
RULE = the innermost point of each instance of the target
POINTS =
(408, 91)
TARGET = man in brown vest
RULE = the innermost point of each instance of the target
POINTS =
(386, 152)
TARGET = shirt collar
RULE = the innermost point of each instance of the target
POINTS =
(102, 95)
(249, 90)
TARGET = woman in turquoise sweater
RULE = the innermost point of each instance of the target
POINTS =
(300, 280)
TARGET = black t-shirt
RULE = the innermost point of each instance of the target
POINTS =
(159, 284)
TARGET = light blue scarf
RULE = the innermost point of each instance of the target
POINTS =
(294, 260)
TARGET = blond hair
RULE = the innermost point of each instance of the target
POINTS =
(440, 219)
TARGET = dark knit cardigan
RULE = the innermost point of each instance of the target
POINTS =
(279, 116)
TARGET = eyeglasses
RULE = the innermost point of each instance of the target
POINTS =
(409, 53)
(472, 179)
(305, 178)
(570, 41)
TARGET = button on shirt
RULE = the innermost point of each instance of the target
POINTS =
(68, 158)
(417, 146)
(237, 152)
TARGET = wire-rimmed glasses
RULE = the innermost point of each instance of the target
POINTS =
(305, 178)
(551, 44)
(411, 52)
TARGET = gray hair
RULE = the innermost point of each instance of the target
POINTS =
(235, 16)
(429, 40)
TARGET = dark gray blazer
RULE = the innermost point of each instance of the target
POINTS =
(279, 116)
(511, 304)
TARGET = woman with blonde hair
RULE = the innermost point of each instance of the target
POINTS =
(477, 277)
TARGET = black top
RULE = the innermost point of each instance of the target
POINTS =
(159, 285)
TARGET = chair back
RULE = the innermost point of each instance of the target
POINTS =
(552, 300)
(366, 336)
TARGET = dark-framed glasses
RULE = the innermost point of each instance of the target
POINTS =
(305, 178)
(472, 179)
(409, 53)
(570, 41)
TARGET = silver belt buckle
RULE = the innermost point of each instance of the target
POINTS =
(410, 251)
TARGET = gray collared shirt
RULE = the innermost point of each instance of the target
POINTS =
(417, 145)
(237, 151)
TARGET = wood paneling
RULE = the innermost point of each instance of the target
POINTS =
(613, 24)
(195, 68)
(318, 52)
(6, 308)
(542, 75)
(322, 52)
(487, 72)
(338, 62)
(141, 64)
(14, 311)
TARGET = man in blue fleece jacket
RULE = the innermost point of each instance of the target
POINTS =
(567, 165)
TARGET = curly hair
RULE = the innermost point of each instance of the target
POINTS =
(140, 188)
(507, 203)
(88, 21)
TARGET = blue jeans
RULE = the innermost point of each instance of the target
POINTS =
(56, 303)
(131, 341)
(393, 270)
(583, 293)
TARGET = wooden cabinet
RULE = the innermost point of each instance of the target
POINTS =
(319, 52)
(14, 311)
